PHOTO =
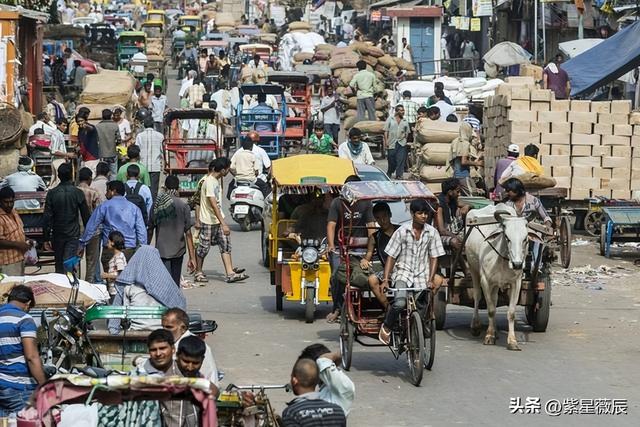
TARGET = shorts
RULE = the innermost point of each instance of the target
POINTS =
(212, 234)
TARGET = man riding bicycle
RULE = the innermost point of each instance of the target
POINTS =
(413, 252)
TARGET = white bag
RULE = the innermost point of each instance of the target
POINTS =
(79, 415)
(31, 256)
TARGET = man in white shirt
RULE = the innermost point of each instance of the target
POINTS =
(158, 107)
(43, 122)
(150, 143)
(176, 321)
(58, 150)
(25, 180)
(356, 150)
(329, 108)
(245, 165)
(123, 125)
(445, 110)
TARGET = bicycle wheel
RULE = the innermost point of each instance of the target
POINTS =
(415, 345)
(347, 335)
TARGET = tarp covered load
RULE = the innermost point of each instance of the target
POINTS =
(108, 87)
(605, 62)
(53, 290)
(506, 54)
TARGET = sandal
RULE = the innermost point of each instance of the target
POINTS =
(384, 335)
(200, 277)
(333, 317)
(239, 270)
(237, 278)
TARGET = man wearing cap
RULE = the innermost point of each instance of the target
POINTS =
(513, 151)
(20, 365)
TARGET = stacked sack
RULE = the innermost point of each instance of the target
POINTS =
(431, 147)
(460, 92)
(225, 22)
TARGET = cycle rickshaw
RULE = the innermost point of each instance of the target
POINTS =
(362, 315)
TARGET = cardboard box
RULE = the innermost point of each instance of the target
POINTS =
(531, 70)
(634, 118)
(540, 106)
(636, 130)
(601, 107)
(523, 116)
(635, 141)
(620, 151)
(555, 138)
(616, 162)
(582, 139)
(520, 92)
(524, 138)
(584, 128)
(620, 194)
(635, 184)
(520, 81)
(594, 162)
(561, 150)
(603, 129)
(559, 104)
(616, 140)
(581, 150)
(555, 161)
(582, 171)
(601, 192)
(621, 107)
(541, 127)
(602, 173)
(563, 181)
(544, 95)
(520, 105)
(557, 171)
(583, 182)
(600, 150)
(580, 106)
(613, 119)
(551, 117)
(545, 150)
(520, 126)
(582, 117)
(560, 127)
(579, 193)
(623, 130)
(635, 152)
(620, 184)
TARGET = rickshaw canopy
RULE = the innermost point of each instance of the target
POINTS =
(216, 36)
(266, 89)
(257, 48)
(134, 35)
(197, 113)
(311, 170)
(285, 77)
(153, 23)
(204, 44)
(385, 190)
(190, 20)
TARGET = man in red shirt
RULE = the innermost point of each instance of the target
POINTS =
(557, 79)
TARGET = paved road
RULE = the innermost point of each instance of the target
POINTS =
(590, 350)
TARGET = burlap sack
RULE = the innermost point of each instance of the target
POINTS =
(381, 104)
(404, 65)
(341, 51)
(370, 60)
(347, 60)
(371, 127)
(360, 47)
(350, 113)
(434, 173)
(349, 122)
(325, 46)
(435, 131)
(435, 154)
(634, 118)
(299, 25)
(352, 102)
(225, 19)
(532, 181)
(321, 55)
(301, 56)
(387, 61)
(347, 75)
(375, 51)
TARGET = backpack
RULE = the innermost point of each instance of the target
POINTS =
(134, 197)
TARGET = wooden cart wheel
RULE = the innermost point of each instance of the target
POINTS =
(347, 336)
(565, 242)
(440, 309)
(310, 306)
(538, 319)
(603, 239)
(592, 222)
(415, 350)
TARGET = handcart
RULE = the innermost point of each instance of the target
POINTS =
(621, 224)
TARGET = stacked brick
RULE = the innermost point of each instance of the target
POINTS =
(591, 148)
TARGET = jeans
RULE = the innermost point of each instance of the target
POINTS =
(93, 253)
(174, 266)
(155, 183)
(63, 248)
(333, 130)
(113, 165)
(399, 304)
(367, 104)
(13, 400)
(337, 288)
(397, 158)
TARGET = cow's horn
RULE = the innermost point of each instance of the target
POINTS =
(498, 215)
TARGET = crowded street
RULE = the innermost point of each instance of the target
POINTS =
(318, 214)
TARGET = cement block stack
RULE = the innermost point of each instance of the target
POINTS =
(590, 148)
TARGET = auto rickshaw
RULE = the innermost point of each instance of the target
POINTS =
(299, 269)
(128, 44)
(265, 52)
(102, 45)
(191, 21)
(298, 88)
(156, 15)
(153, 29)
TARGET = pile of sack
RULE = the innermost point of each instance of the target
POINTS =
(225, 22)
(298, 45)
(431, 147)
(459, 91)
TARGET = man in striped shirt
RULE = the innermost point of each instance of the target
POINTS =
(20, 366)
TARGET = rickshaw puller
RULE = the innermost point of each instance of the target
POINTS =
(407, 251)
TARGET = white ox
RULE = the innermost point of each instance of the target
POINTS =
(496, 254)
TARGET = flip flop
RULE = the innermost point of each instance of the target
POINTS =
(239, 270)
(200, 277)
(237, 278)
(333, 317)
(384, 335)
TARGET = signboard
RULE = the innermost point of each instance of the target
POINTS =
(482, 8)
(460, 22)
(475, 24)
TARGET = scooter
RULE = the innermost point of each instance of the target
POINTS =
(247, 204)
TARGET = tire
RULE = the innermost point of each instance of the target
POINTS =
(603, 240)
(309, 304)
(245, 224)
(279, 297)
(440, 309)
(565, 242)
(347, 336)
(429, 343)
(593, 223)
(415, 348)
(539, 319)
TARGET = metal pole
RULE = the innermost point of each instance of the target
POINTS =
(544, 36)
(535, 30)
(580, 26)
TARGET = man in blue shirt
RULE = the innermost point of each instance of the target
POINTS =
(117, 213)
(263, 124)
(20, 365)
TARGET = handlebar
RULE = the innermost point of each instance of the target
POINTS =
(253, 387)
(417, 289)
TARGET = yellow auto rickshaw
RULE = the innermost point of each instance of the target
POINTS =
(156, 15)
(297, 262)
(153, 29)
(191, 21)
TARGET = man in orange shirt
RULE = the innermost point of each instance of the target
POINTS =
(13, 243)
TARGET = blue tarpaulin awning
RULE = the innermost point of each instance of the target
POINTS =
(605, 62)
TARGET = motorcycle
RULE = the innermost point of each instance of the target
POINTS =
(257, 410)
(247, 204)
(186, 65)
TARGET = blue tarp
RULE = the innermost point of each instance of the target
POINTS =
(605, 62)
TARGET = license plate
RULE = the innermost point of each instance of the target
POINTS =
(243, 209)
